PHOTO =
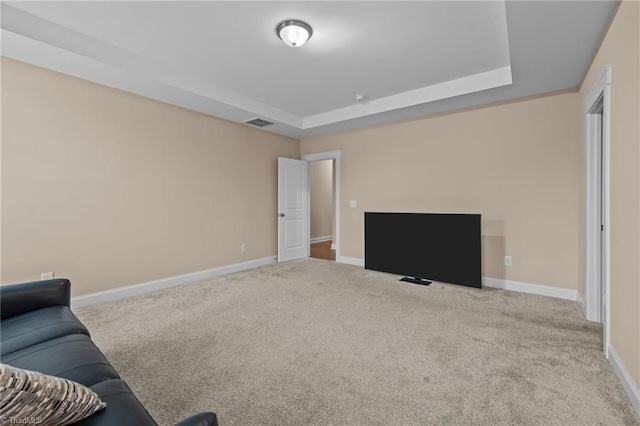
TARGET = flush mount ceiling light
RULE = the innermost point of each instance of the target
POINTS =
(294, 33)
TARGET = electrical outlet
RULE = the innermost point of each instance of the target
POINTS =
(46, 276)
(353, 204)
(507, 261)
(243, 247)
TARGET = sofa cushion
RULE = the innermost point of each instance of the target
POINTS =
(32, 397)
(41, 325)
(73, 357)
(123, 408)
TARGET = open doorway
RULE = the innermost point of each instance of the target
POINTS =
(294, 201)
(322, 201)
(334, 157)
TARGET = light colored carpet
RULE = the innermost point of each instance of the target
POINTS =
(313, 342)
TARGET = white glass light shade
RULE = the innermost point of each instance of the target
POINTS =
(294, 33)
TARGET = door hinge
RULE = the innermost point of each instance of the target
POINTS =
(602, 227)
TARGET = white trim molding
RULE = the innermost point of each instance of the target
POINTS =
(321, 156)
(538, 289)
(155, 285)
(603, 79)
(597, 203)
(581, 304)
(474, 83)
(350, 260)
(321, 239)
(628, 384)
(520, 287)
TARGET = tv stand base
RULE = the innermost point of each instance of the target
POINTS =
(416, 280)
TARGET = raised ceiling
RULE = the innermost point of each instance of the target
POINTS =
(223, 58)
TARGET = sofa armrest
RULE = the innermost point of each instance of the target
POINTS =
(202, 419)
(16, 299)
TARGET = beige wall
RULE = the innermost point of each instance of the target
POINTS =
(321, 198)
(517, 164)
(621, 50)
(110, 189)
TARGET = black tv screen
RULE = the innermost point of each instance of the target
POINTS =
(438, 247)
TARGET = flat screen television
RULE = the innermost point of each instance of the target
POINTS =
(434, 246)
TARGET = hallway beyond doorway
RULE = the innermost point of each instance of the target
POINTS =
(323, 250)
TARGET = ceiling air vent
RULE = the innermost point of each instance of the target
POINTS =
(259, 122)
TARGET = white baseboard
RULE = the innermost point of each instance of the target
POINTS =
(628, 384)
(350, 261)
(333, 246)
(581, 304)
(321, 239)
(541, 290)
(149, 286)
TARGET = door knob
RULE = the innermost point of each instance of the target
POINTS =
(281, 215)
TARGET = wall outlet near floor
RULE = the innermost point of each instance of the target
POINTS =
(243, 247)
(507, 261)
(46, 276)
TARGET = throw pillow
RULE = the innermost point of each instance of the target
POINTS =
(29, 397)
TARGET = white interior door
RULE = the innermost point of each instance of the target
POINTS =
(293, 208)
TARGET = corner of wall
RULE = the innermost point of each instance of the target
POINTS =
(630, 388)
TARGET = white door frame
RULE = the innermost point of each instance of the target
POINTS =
(321, 156)
(600, 94)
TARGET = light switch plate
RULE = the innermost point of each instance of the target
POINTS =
(353, 204)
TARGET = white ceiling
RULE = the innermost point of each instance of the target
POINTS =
(224, 58)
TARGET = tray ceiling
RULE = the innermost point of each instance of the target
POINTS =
(223, 58)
